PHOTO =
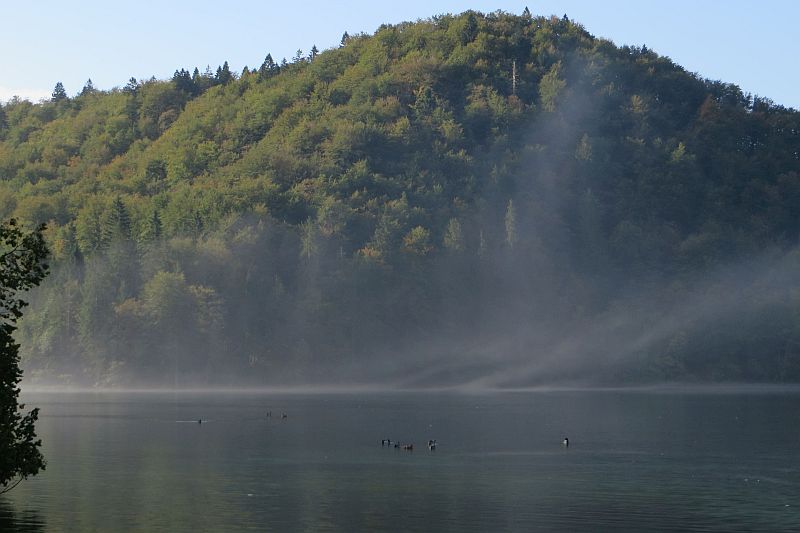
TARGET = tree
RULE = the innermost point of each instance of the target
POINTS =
(418, 241)
(551, 87)
(183, 82)
(224, 75)
(470, 29)
(132, 86)
(119, 221)
(453, 236)
(313, 54)
(21, 268)
(268, 68)
(345, 38)
(59, 93)
(88, 88)
(511, 225)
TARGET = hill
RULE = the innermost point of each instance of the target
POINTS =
(486, 199)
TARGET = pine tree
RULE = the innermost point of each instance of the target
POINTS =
(268, 68)
(224, 75)
(59, 93)
(131, 87)
(184, 83)
(345, 39)
(313, 54)
(119, 221)
(88, 88)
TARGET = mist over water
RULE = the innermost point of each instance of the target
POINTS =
(540, 349)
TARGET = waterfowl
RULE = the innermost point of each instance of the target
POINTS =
(432, 444)
(565, 442)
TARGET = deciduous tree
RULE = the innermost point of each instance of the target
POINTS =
(22, 266)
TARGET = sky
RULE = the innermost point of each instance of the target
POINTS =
(752, 44)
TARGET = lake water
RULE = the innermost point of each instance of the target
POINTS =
(719, 460)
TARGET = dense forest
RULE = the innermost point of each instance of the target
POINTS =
(494, 200)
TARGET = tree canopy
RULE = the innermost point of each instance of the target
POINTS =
(22, 266)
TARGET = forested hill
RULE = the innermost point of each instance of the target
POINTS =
(474, 199)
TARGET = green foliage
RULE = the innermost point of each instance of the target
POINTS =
(59, 93)
(21, 267)
(298, 212)
(453, 236)
(550, 88)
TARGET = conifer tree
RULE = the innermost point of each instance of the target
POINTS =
(268, 67)
(183, 82)
(59, 93)
(131, 87)
(119, 221)
(224, 75)
(88, 88)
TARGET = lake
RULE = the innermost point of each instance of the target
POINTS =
(719, 459)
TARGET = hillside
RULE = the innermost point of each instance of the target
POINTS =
(486, 199)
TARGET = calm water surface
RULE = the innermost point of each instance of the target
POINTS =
(638, 461)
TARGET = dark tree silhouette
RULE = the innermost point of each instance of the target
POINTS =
(21, 267)
(59, 93)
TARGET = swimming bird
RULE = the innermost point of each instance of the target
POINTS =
(432, 444)
(199, 420)
(565, 442)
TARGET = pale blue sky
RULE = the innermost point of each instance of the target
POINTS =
(753, 44)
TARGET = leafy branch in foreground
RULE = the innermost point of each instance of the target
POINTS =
(21, 268)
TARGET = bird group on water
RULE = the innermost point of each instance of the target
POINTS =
(394, 443)
(432, 444)
(410, 447)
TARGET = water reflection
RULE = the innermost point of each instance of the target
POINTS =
(635, 461)
(26, 520)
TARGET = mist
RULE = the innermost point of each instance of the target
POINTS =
(562, 211)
